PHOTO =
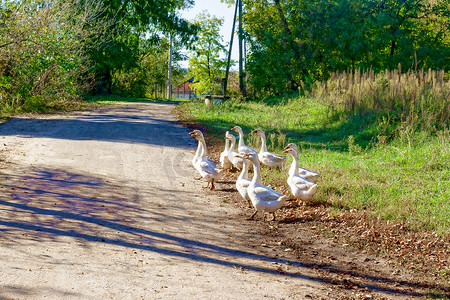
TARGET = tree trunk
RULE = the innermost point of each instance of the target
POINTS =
(289, 39)
(392, 48)
(104, 83)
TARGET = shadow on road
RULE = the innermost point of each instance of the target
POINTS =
(129, 124)
(48, 204)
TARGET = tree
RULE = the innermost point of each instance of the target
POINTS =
(134, 25)
(207, 60)
(42, 47)
(151, 71)
(296, 41)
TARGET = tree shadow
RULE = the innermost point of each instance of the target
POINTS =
(331, 136)
(51, 204)
(130, 124)
(25, 292)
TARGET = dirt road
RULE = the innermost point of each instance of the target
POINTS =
(104, 205)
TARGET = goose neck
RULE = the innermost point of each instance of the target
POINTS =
(227, 145)
(244, 172)
(257, 179)
(199, 149)
(295, 165)
(263, 143)
(241, 138)
(203, 143)
(233, 142)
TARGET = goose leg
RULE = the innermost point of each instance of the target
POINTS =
(212, 186)
(250, 205)
(251, 217)
(273, 214)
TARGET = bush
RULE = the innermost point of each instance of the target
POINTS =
(41, 52)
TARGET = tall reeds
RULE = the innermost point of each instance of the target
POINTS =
(414, 99)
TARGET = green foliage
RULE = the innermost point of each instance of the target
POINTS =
(294, 43)
(151, 70)
(40, 52)
(133, 27)
(206, 61)
(61, 50)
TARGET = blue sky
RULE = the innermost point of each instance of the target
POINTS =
(220, 10)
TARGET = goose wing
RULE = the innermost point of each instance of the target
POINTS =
(244, 183)
(307, 172)
(208, 166)
(266, 194)
(236, 161)
(272, 157)
(301, 182)
(246, 149)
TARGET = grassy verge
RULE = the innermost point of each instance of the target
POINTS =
(406, 179)
(36, 105)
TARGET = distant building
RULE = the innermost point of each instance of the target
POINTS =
(184, 90)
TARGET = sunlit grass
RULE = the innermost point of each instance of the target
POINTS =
(54, 104)
(393, 180)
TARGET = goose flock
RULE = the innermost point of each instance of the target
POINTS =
(302, 182)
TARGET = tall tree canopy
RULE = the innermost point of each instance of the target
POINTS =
(207, 60)
(53, 50)
(297, 41)
(136, 24)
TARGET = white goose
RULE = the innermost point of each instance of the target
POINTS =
(225, 162)
(243, 182)
(301, 188)
(242, 147)
(305, 173)
(263, 198)
(269, 159)
(235, 160)
(205, 166)
(198, 152)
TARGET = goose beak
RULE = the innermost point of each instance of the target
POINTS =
(234, 128)
(255, 131)
(286, 150)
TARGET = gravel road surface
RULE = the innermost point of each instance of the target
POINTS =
(104, 205)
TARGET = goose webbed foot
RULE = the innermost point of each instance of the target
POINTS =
(207, 186)
(212, 186)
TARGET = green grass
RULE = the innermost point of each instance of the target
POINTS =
(406, 179)
(42, 105)
(107, 99)
(39, 104)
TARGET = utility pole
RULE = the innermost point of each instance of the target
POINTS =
(227, 72)
(169, 84)
(241, 67)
